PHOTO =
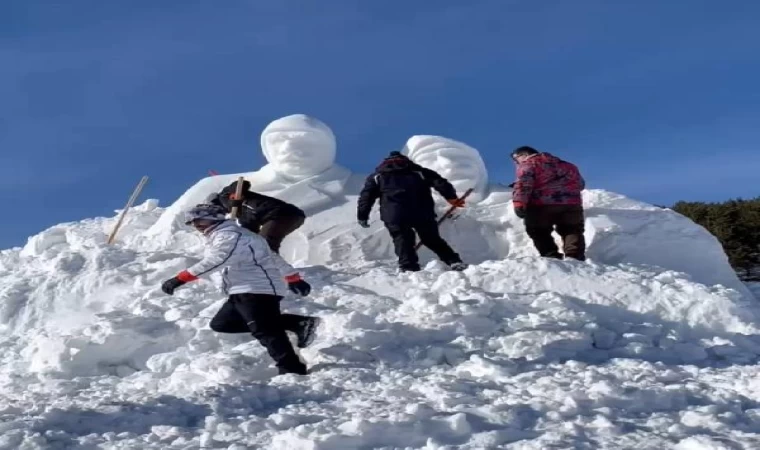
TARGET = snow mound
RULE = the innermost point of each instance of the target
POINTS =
(651, 343)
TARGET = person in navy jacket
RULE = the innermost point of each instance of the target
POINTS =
(407, 206)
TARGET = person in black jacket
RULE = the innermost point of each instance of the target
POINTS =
(271, 218)
(406, 206)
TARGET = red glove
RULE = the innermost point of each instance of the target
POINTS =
(297, 285)
(456, 202)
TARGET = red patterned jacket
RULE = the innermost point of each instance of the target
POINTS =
(544, 179)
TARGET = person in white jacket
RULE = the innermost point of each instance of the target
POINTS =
(255, 278)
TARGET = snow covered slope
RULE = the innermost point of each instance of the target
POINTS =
(516, 352)
(652, 343)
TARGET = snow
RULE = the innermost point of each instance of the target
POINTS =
(651, 343)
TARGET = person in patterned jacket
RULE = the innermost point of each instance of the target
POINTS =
(547, 196)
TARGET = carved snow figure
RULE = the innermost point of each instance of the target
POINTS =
(297, 148)
(456, 161)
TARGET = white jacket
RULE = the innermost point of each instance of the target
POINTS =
(248, 265)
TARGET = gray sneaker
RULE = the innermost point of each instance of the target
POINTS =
(308, 331)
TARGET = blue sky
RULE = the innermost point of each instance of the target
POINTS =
(657, 100)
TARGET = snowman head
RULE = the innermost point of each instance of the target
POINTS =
(457, 162)
(298, 146)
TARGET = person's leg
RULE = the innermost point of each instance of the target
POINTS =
(276, 230)
(228, 320)
(262, 314)
(571, 225)
(539, 226)
(430, 236)
(304, 327)
(404, 240)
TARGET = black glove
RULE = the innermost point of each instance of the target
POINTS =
(238, 202)
(171, 284)
(521, 211)
(300, 287)
(364, 223)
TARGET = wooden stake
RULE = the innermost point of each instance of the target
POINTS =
(238, 195)
(130, 202)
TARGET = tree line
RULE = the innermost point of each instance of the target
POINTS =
(736, 224)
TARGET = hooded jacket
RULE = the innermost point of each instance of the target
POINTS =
(403, 188)
(247, 264)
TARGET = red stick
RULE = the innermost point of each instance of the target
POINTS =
(447, 214)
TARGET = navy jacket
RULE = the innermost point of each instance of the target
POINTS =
(403, 188)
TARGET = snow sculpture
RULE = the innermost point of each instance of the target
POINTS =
(301, 169)
(300, 152)
(298, 146)
(454, 160)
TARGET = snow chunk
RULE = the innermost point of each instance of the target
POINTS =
(622, 230)
(701, 443)
(117, 344)
(45, 241)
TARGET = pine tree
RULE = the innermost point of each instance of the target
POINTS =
(736, 224)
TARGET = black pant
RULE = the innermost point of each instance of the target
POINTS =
(259, 314)
(404, 240)
(540, 221)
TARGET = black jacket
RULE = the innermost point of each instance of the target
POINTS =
(403, 188)
(257, 209)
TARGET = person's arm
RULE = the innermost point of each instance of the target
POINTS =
(295, 283)
(367, 198)
(526, 177)
(439, 183)
(219, 251)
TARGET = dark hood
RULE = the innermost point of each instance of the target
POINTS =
(396, 163)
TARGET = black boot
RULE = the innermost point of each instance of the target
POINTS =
(307, 331)
(298, 369)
